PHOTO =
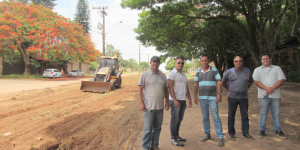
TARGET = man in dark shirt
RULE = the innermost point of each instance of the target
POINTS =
(240, 80)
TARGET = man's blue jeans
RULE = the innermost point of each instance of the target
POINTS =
(205, 105)
(152, 126)
(177, 114)
(274, 104)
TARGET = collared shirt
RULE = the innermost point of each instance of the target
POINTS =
(206, 70)
(238, 81)
(268, 77)
(207, 83)
(154, 89)
(179, 87)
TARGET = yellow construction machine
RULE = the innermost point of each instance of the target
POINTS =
(107, 76)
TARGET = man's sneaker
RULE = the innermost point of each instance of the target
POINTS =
(206, 137)
(248, 137)
(176, 142)
(181, 139)
(232, 138)
(280, 134)
(262, 134)
(221, 142)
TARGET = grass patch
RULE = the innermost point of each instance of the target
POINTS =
(22, 76)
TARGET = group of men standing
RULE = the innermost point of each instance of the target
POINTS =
(154, 87)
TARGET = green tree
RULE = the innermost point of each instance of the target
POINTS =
(82, 15)
(94, 66)
(178, 35)
(186, 67)
(170, 64)
(124, 63)
(221, 40)
(144, 65)
(195, 63)
(110, 51)
(258, 21)
(45, 3)
(132, 63)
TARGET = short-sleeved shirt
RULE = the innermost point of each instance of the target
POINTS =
(154, 92)
(268, 77)
(179, 87)
(238, 81)
(207, 83)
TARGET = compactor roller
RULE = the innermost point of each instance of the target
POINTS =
(107, 76)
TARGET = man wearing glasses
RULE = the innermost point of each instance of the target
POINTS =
(239, 81)
(178, 89)
(206, 80)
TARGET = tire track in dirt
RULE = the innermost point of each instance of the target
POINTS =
(68, 118)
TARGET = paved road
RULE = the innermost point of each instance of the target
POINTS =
(8, 86)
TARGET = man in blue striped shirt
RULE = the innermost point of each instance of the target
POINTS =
(207, 80)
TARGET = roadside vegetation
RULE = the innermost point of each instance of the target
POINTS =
(23, 76)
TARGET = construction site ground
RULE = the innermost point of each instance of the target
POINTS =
(55, 114)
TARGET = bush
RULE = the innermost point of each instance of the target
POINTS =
(94, 66)
(293, 76)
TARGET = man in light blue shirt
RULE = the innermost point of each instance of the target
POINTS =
(268, 79)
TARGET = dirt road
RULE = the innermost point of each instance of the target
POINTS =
(64, 117)
(8, 86)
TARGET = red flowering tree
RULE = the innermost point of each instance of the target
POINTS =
(33, 30)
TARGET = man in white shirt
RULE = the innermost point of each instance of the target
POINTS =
(178, 89)
(268, 79)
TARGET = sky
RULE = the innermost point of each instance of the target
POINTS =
(121, 35)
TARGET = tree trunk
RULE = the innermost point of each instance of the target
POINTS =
(65, 66)
(25, 58)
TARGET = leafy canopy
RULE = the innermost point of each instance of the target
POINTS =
(33, 30)
(258, 21)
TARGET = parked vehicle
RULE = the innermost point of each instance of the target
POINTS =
(76, 73)
(52, 73)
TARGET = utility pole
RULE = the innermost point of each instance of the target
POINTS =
(148, 60)
(103, 15)
(139, 58)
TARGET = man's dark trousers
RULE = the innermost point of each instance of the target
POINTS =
(232, 106)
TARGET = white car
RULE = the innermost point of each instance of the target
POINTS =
(76, 73)
(52, 73)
